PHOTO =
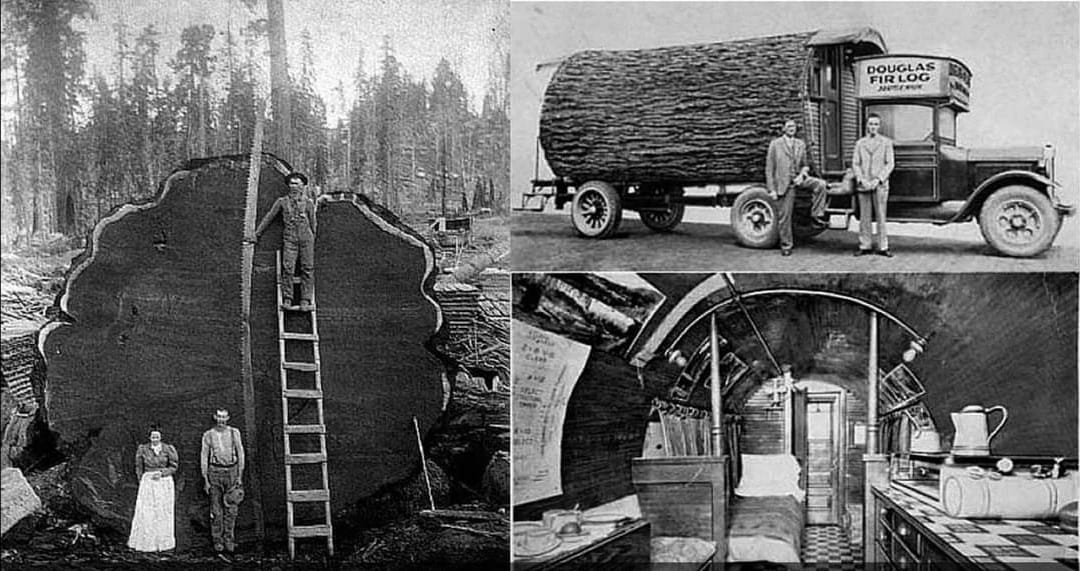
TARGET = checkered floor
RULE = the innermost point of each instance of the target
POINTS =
(828, 547)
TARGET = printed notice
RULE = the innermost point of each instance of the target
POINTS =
(546, 368)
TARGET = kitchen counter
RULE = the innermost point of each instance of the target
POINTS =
(915, 529)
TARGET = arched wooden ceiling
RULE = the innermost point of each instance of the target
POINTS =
(992, 339)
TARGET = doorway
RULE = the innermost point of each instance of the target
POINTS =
(824, 458)
(831, 66)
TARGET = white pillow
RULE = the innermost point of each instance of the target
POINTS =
(769, 475)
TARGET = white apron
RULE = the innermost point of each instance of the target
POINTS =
(152, 526)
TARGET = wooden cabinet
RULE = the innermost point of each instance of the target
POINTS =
(904, 545)
(627, 545)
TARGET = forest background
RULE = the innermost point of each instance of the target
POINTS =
(84, 131)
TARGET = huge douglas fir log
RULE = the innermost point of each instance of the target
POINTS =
(682, 114)
(153, 335)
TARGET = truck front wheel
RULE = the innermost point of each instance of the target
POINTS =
(1019, 221)
(753, 219)
(597, 210)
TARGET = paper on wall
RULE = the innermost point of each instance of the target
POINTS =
(546, 368)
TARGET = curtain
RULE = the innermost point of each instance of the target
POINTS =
(798, 431)
(686, 430)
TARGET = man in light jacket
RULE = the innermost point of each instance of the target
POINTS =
(786, 170)
(873, 163)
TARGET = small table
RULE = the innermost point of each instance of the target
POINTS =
(628, 544)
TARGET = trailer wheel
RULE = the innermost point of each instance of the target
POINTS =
(753, 218)
(667, 219)
(1019, 221)
(597, 209)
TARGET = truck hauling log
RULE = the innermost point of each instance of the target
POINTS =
(634, 129)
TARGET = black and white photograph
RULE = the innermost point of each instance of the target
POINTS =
(802, 461)
(539, 284)
(256, 285)
(795, 136)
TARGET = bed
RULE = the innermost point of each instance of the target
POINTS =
(766, 514)
(686, 500)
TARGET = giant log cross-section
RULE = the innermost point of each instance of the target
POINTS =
(151, 332)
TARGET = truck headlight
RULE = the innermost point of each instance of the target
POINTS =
(1047, 160)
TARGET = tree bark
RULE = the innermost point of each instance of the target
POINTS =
(280, 96)
(155, 338)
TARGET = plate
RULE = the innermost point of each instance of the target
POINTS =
(572, 537)
(604, 517)
(523, 553)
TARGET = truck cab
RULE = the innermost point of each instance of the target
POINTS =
(1011, 192)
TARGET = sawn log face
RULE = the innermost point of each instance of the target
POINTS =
(683, 114)
(156, 338)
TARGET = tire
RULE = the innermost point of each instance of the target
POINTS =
(664, 220)
(1019, 221)
(753, 219)
(597, 210)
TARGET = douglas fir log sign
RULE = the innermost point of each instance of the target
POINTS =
(152, 331)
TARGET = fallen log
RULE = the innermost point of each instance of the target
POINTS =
(19, 498)
(151, 332)
(462, 515)
(684, 114)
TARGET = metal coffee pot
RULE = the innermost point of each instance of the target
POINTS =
(972, 438)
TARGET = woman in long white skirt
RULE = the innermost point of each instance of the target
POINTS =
(152, 527)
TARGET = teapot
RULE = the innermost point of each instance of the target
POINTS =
(971, 438)
(925, 440)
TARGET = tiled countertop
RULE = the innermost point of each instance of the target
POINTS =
(991, 543)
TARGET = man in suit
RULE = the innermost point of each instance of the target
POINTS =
(873, 163)
(787, 170)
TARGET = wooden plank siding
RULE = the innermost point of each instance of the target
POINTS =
(849, 114)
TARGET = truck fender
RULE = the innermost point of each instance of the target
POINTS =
(988, 186)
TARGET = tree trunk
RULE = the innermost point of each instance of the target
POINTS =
(280, 96)
(156, 338)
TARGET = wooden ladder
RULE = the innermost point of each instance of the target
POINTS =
(292, 496)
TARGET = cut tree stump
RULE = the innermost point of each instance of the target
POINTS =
(151, 333)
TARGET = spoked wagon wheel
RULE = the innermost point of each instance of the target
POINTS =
(666, 219)
(753, 219)
(597, 210)
(1019, 221)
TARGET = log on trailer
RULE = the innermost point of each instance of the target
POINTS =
(154, 335)
(684, 114)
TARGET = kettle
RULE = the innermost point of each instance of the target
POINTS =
(925, 440)
(971, 438)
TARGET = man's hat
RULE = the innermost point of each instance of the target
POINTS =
(298, 175)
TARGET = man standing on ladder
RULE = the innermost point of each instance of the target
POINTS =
(298, 213)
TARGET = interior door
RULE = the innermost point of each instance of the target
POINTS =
(830, 109)
(824, 450)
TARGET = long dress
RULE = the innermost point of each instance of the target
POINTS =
(152, 528)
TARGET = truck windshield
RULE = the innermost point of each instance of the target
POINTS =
(905, 122)
(947, 124)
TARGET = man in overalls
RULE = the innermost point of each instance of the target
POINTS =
(298, 213)
(222, 463)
